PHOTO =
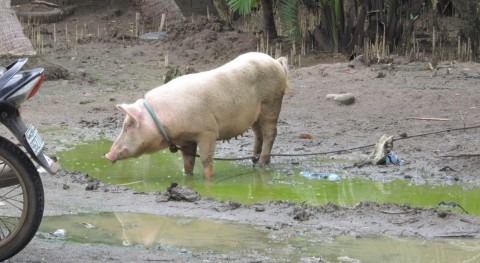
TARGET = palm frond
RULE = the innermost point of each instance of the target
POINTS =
(242, 6)
(288, 11)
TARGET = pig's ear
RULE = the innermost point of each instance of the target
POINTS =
(132, 110)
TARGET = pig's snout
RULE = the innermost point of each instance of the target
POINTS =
(111, 157)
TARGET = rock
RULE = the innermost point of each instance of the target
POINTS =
(259, 208)
(59, 233)
(357, 62)
(179, 193)
(380, 75)
(162, 197)
(227, 206)
(342, 98)
(91, 186)
(331, 96)
(301, 213)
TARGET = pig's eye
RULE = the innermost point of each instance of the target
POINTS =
(128, 125)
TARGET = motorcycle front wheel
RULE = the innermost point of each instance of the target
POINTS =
(21, 199)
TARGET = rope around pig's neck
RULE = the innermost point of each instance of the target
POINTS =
(173, 148)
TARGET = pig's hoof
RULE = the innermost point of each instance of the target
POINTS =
(255, 158)
(262, 162)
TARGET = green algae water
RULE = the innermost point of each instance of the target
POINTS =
(239, 181)
(214, 236)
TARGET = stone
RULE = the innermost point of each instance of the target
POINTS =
(342, 98)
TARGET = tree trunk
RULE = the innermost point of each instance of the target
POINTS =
(269, 22)
(12, 39)
(224, 11)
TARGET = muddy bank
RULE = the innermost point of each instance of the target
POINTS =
(79, 106)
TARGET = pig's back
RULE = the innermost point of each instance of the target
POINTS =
(250, 74)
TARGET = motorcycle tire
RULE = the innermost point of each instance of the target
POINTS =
(21, 199)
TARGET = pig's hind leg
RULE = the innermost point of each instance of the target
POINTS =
(189, 152)
(269, 131)
(265, 130)
(257, 146)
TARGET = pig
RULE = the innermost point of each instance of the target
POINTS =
(196, 110)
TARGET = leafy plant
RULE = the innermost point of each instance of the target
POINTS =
(332, 16)
(242, 6)
(288, 11)
(246, 6)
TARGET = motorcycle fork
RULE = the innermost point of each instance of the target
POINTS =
(13, 121)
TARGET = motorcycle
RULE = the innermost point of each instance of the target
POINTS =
(21, 189)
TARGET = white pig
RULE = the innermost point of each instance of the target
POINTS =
(201, 108)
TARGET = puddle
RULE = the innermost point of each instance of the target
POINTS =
(241, 182)
(130, 229)
(180, 233)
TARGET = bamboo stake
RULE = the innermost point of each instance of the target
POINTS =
(162, 22)
(137, 23)
(54, 35)
(76, 40)
(66, 34)
(459, 50)
(267, 44)
(383, 42)
(433, 44)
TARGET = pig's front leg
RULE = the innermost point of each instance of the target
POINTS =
(206, 145)
(188, 153)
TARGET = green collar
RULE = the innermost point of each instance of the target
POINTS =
(173, 147)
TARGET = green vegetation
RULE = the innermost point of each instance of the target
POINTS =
(445, 29)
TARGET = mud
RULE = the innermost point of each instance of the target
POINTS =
(99, 72)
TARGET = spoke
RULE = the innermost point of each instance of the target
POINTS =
(12, 198)
(7, 227)
(13, 189)
(6, 222)
(19, 207)
(3, 234)
(15, 202)
(4, 166)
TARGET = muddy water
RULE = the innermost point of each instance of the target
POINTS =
(241, 182)
(187, 235)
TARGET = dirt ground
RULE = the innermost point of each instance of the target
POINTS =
(100, 72)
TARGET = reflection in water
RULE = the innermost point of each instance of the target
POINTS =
(241, 182)
(129, 229)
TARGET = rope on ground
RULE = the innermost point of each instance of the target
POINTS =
(349, 149)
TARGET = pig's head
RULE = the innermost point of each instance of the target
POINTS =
(139, 134)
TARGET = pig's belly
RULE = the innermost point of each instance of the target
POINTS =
(237, 122)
